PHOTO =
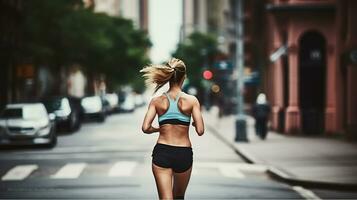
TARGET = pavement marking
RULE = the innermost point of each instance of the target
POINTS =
(122, 168)
(231, 172)
(19, 172)
(307, 194)
(70, 171)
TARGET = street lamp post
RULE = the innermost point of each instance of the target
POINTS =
(240, 124)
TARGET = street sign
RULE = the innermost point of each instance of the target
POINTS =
(223, 65)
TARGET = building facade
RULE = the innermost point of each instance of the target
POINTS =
(110, 7)
(304, 50)
(312, 70)
(136, 10)
(208, 16)
(218, 17)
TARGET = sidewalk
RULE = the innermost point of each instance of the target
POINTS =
(307, 161)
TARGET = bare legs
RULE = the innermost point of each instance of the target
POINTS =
(170, 185)
(180, 183)
(163, 179)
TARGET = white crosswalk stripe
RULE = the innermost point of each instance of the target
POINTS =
(19, 172)
(127, 169)
(307, 194)
(70, 171)
(122, 168)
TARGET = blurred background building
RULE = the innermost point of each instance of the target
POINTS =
(218, 17)
(136, 10)
(303, 53)
(212, 16)
(311, 73)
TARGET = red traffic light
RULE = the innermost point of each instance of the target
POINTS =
(207, 74)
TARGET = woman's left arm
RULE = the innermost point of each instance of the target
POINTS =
(149, 117)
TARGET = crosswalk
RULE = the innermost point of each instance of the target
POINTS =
(75, 170)
(19, 172)
(70, 171)
(123, 168)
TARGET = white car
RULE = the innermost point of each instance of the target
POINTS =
(29, 123)
(139, 100)
(129, 103)
(113, 101)
(93, 107)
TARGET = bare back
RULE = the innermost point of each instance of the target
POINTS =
(174, 134)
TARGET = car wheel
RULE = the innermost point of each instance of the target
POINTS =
(101, 117)
(78, 125)
(53, 141)
(73, 122)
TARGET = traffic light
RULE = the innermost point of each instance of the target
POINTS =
(207, 74)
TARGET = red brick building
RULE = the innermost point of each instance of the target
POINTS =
(311, 78)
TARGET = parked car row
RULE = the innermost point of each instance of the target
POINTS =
(38, 123)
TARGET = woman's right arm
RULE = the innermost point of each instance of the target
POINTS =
(197, 117)
(149, 117)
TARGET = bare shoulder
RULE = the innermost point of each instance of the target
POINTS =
(192, 99)
(157, 100)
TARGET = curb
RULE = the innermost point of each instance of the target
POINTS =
(281, 175)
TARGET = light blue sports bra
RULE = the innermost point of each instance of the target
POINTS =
(173, 115)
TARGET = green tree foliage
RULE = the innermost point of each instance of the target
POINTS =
(197, 52)
(61, 32)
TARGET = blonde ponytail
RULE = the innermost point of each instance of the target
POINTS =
(172, 71)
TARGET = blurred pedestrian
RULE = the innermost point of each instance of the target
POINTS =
(172, 155)
(261, 111)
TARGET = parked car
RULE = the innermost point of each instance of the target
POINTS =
(67, 114)
(139, 100)
(93, 107)
(23, 124)
(128, 104)
(106, 105)
(76, 104)
(113, 101)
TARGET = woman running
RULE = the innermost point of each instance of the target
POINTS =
(172, 155)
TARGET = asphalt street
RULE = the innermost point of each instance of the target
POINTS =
(113, 160)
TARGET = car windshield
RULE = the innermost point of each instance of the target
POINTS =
(12, 113)
(27, 113)
(52, 104)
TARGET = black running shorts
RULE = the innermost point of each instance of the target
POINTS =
(179, 159)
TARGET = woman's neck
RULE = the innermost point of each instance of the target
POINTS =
(174, 88)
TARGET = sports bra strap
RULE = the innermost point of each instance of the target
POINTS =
(177, 96)
(167, 95)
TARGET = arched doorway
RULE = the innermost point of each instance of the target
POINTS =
(312, 81)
